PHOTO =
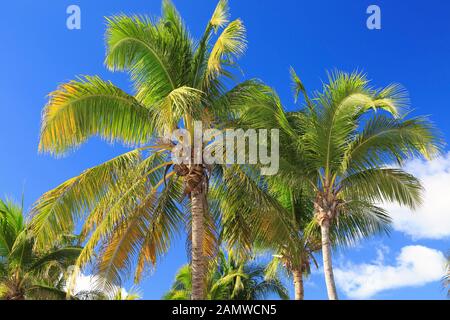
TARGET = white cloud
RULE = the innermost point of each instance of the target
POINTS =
(432, 219)
(414, 266)
(86, 283)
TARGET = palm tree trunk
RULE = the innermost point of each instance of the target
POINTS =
(298, 285)
(327, 263)
(198, 206)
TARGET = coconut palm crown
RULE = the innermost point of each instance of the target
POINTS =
(133, 205)
(230, 278)
(346, 148)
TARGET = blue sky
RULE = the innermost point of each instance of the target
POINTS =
(412, 48)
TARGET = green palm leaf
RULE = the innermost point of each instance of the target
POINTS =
(89, 107)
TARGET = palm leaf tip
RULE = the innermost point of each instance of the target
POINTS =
(297, 86)
(221, 15)
(230, 44)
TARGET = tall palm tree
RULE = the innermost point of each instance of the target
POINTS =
(135, 203)
(24, 272)
(347, 139)
(229, 278)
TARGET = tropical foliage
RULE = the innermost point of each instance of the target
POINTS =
(341, 158)
(293, 251)
(342, 147)
(135, 204)
(230, 278)
(24, 272)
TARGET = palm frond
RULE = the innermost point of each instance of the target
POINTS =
(89, 107)
(230, 45)
(221, 15)
(56, 212)
(157, 58)
(383, 185)
(385, 140)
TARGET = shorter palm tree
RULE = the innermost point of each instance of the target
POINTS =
(346, 139)
(24, 272)
(230, 278)
(294, 251)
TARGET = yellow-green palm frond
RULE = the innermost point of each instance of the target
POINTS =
(229, 45)
(221, 15)
(134, 223)
(134, 184)
(56, 211)
(139, 184)
(350, 94)
(11, 225)
(179, 103)
(394, 98)
(89, 107)
(133, 293)
(165, 223)
(273, 267)
(182, 286)
(116, 255)
(338, 114)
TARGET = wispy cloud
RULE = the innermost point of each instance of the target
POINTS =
(432, 219)
(414, 266)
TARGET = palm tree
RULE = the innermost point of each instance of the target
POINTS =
(293, 250)
(229, 278)
(347, 139)
(135, 203)
(24, 272)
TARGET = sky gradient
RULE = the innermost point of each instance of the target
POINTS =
(412, 48)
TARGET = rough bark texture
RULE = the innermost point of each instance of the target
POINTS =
(15, 294)
(327, 263)
(198, 272)
(298, 285)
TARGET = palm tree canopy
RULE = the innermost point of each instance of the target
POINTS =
(133, 205)
(230, 278)
(347, 145)
(25, 272)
